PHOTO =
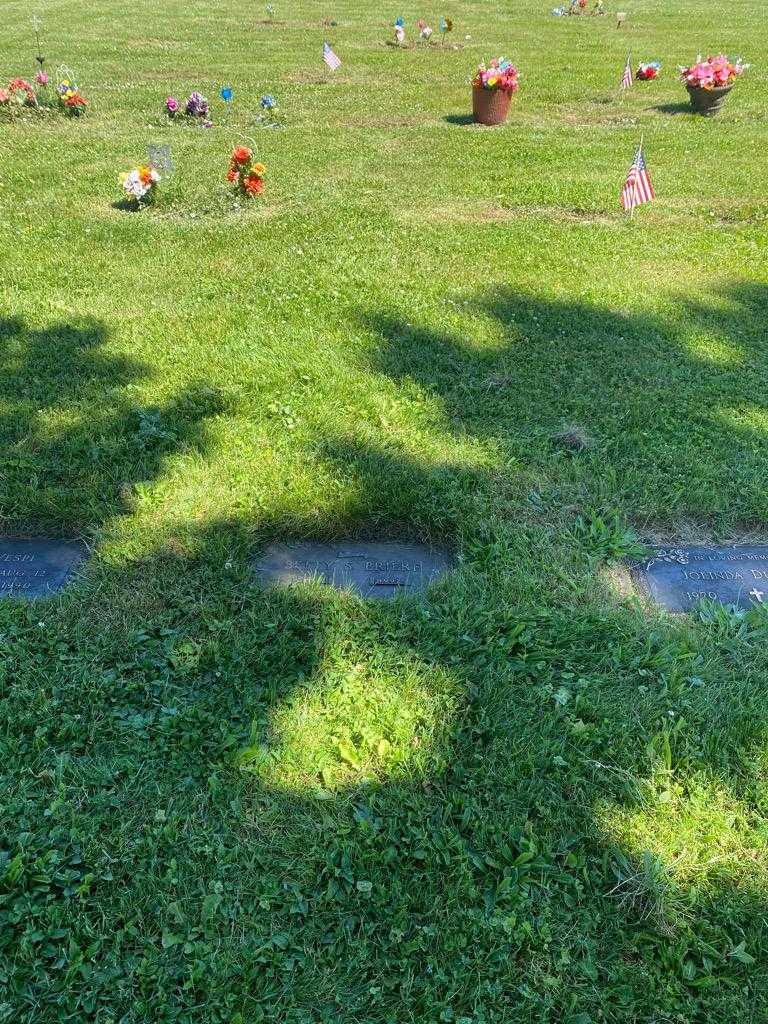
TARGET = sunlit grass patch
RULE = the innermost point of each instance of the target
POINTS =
(385, 719)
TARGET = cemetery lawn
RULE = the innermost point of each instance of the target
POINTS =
(527, 797)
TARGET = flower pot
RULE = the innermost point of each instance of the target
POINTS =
(708, 102)
(490, 106)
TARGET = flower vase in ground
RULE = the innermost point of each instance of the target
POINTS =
(709, 81)
(492, 90)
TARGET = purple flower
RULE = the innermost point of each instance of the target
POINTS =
(171, 105)
(197, 105)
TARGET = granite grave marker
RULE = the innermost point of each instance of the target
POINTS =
(678, 578)
(37, 567)
(378, 571)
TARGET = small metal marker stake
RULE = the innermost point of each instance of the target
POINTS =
(36, 29)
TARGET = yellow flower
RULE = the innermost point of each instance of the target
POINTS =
(258, 168)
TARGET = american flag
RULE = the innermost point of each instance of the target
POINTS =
(637, 188)
(330, 57)
(626, 78)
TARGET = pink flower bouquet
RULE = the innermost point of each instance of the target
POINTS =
(500, 74)
(713, 73)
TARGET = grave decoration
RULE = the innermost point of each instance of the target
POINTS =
(399, 32)
(446, 25)
(159, 157)
(246, 175)
(36, 23)
(18, 98)
(195, 110)
(648, 72)
(140, 185)
(71, 101)
(709, 81)
(269, 116)
(492, 89)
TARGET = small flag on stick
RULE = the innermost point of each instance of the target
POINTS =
(330, 57)
(627, 78)
(637, 188)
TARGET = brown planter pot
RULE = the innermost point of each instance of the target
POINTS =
(490, 106)
(708, 102)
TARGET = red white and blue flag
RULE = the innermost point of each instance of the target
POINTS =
(637, 188)
(330, 57)
(627, 78)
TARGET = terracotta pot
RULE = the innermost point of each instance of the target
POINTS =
(708, 102)
(490, 106)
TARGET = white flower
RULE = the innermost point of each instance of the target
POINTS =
(134, 186)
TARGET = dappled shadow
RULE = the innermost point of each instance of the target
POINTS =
(385, 812)
(74, 437)
(650, 392)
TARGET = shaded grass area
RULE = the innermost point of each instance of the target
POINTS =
(527, 797)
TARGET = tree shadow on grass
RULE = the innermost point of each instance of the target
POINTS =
(247, 803)
(75, 439)
(239, 827)
(654, 394)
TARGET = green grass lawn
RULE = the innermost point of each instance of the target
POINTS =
(526, 798)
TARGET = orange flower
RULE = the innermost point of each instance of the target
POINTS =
(253, 186)
(231, 174)
(145, 173)
(241, 154)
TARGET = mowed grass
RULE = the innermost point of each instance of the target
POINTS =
(524, 798)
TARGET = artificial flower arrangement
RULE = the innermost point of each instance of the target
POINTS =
(140, 184)
(195, 110)
(713, 73)
(247, 176)
(18, 98)
(71, 100)
(647, 72)
(399, 32)
(425, 31)
(500, 74)
(268, 118)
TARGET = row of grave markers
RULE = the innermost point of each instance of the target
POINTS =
(677, 578)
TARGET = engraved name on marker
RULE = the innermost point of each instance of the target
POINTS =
(379, 571)
(678, 578)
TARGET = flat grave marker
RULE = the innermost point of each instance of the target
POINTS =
(378, 571)
(38, 566)
(678, 578)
